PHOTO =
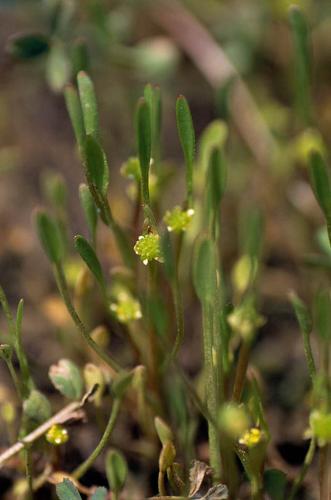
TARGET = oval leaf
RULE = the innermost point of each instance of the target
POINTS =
(67, 379)
(67, 491)
(116, 470)
(75, 113)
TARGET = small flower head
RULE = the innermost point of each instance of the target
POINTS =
(57, 435)
(251, 437)
(148, 247)
(126, 308)
(177, 219)
(245, 320)
(320, 425)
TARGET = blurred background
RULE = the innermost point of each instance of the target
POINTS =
(233, 60)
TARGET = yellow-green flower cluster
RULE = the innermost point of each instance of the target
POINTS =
(320, 426)
(57, 435)
(177, 219)
(251, 437)
(126, 308)
(245, 320)
(148, 248)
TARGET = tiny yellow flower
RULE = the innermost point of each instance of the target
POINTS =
(57, 435)
(251, 437)
(148, 248)
(177, 219)
(126, 308)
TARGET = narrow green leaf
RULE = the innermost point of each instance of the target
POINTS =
(90, 210)
(187, 139)
(75, 113)
(214, 135)
(79, 56)
(275, 484)
(88, 103)
(320, 181)
(67, 379)
(116, 470)
(55, 189)
(217, 176)
(67, 491)
(306, 326)
(58, 68)
(89, 257)
(322, 314)
(19, 317)
(152, 95)
(302, 66)
(96, 164)
(302, 314)
(144, 140)
(251, 232)
(204, 272)
(27, 46)
(50, 236)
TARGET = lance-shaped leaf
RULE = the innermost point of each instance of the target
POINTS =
(89, 257)
(302, 61)
(144, 142)
(90, 210)
(67, 491)
(320, 182)
(187, 139)
(116, 470)
(97, 170)
(217, 175)
(75, 114)
(205, 271)
(67, 379)
(88, 103)
(27, 46)
(50, 236)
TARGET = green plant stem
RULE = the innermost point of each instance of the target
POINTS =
(64, 291)
(324, 472)
(29, 473)
(307, 462)
(16, 339)
(80, 471)
(18, 385)
(240, 376)
(160, 482)
(211, 389)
